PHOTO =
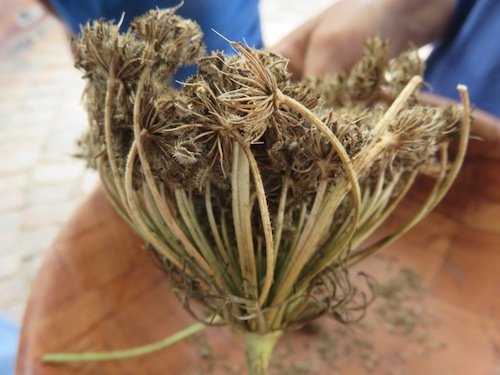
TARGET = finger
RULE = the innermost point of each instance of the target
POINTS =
(294, 46)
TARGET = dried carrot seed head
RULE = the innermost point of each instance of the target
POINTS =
(255, 191)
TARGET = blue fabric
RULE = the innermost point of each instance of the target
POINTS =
(9, 338)
(236, 20)
(470, 55)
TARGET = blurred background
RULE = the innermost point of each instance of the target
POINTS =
(41, 116)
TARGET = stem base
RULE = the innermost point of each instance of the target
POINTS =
(259, 350)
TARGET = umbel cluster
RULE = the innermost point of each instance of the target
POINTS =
(258, 193)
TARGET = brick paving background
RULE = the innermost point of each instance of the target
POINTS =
(40, 118)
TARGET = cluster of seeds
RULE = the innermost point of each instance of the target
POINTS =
(258, 192)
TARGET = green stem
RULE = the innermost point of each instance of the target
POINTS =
(127, 353)
(259, 349)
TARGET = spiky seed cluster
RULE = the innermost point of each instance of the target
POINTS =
(113, 62)
(256, 191)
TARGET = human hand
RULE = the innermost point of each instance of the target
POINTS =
(333, 40)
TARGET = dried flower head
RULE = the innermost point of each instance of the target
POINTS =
(258, 193)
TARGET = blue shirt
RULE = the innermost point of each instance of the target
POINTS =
(236, 20)
(470, 55)
(9, 338)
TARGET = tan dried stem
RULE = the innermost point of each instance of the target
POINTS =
(266, 225)
(112, 83)
(137, 216)
(150, 180)
(313, 232)
(242, 208)
(443, 183)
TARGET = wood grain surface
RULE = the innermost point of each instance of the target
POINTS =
(99, 290)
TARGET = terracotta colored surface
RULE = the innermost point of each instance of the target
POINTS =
(97, 290)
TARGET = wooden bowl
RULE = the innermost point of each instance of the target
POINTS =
(98, 290)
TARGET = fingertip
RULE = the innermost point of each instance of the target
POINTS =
(294, 57)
